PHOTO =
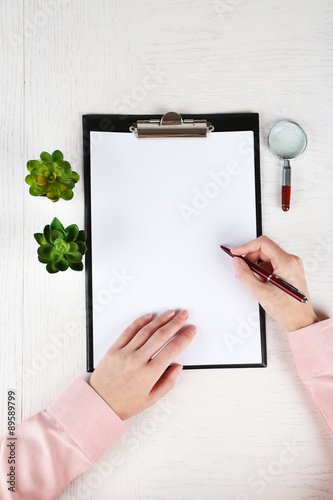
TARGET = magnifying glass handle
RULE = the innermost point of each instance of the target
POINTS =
(286, 186)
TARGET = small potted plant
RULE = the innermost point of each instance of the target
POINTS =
(61, 248)
(51, 176)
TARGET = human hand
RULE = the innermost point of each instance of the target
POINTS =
(127, 378)
(278, 304)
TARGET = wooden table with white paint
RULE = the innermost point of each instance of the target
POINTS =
(220, 434)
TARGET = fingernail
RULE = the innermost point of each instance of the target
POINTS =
(147, 316)
(178, 369)
(169, 313)
(183, 314)
(236, 262)
(192, 329)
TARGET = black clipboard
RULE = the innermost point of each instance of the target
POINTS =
(175, 125)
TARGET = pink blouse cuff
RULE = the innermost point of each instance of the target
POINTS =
(312, 349)
(87, 419)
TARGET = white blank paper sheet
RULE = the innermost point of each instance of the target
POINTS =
(160, 209)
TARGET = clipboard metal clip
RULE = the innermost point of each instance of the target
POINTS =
(171, 125)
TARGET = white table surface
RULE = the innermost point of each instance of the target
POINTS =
(219, 430)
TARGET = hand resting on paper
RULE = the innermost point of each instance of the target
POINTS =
(127, 378)
(278, 304)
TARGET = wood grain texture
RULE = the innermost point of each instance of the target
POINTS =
(218, 430)
(11, 204)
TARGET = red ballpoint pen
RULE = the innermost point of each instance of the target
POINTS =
(275, 280)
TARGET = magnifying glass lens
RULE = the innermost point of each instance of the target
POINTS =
(287, 140)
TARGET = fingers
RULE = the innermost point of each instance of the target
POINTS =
(164, 334)
(249, 280)
(253, 256)
(132, 330)
(166, 382)
(257, 245)
(265, 249)
(148, 330)
(172, 350)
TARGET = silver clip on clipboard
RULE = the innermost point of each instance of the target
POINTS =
(171, 125)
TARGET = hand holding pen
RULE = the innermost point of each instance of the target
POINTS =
(291, 313)
(271, 278)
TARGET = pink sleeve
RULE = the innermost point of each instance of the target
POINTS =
(312, 349)
(58, 443)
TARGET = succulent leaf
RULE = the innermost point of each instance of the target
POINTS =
(51, 268)
(45, 251)
(56, 185)
(74, 257)
(68, 194)
(56, 224)
(67, 175)
(65, 166)
(76, 266)
(51, 165)
(53, 195)
(42, 170)
(62, 189)
(82, 247)
(73, 247)
(40, 238)
(31, 164)
(57, 156)
(63, 265)
(47, 232)
(81, 236)
(55, 257)
(75, 177)
(34, 163)
(43, 260)
(72, 232)
(59, 171)
(41, 180)
(33, 191)
(68, 182)
(41, 189)
(57, 233)
(45, 156)
(29, 180)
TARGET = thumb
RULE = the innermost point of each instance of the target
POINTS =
(249, 280)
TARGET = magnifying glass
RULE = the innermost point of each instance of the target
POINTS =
(287, 140)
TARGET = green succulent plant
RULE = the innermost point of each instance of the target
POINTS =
(61, 248)
(51, 176)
